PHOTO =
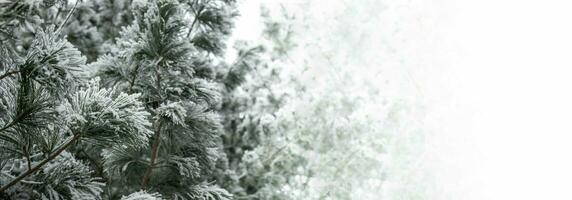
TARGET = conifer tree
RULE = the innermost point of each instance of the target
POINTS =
(140, 122)
(170, 59)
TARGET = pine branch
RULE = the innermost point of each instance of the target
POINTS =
(8, 74)
(29, 110)
(67, 17)
(193, 24)
(154, 152)
(37, 167)
(8, 126)
(27, 155)
(132, 82)
(158, 77)
(197, 14)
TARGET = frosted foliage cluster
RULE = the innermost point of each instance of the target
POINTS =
(142, 195)
(173, 112)
(97, 112)
(61, 179)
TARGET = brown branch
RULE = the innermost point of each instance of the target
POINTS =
(154, 152)
(37, 167)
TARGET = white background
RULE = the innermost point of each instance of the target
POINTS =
(512, 82)
(515, 72)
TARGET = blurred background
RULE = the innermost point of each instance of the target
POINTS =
(480, 85)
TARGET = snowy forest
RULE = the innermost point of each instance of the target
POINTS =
(210, 100)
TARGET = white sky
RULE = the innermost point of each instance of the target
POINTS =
(497, 76)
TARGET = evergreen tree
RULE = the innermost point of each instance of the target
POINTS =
(145, 128)
(171, 61)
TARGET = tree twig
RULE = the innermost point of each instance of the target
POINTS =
(8, 74)
(37, 167)
(27, 155)
(197, 14)
(12, 123)
(67, 17)
(132, 82)
(154, 152)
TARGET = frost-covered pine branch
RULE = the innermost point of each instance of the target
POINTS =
(94, 114)
(142, 195)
